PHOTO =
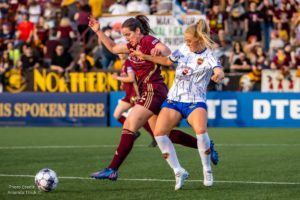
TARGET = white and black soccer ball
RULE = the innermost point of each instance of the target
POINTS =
(46, 180)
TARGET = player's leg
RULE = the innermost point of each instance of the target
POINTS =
(134, 121)
(123, 106)
(167, 119)
(149, 130)
(120, 109)
(198, 120)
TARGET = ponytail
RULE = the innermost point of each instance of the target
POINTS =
(141, 22)
(145, 24)
(201, 31)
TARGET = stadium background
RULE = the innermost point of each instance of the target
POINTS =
(261, 89)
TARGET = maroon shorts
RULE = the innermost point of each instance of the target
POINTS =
(152, 96)
(130, 99)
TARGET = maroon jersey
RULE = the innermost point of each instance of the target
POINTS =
(145, 71)
(127, 87)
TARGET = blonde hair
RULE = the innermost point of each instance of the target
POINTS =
(64, 22)
(201, 31)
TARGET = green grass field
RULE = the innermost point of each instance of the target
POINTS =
(254, 164)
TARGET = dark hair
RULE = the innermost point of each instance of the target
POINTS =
(140, 21)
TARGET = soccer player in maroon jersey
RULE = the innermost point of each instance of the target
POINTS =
(129, 86)
(151, 87)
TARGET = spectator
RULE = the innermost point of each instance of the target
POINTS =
(282, 16)
(71, 7)
(3, 9)
(281, 60)
(41, 32)
(260, 58)
(21, 10)
(5, 65)
(267, 11)
(196, 6)
(83, 64)
(218, 23)
(282, 33)
(28, 60)
(236, 10)
(138, 6)
(275, 44)
(250, 45)
(14, 53)
(25, 29)
(242, 64)
(65, 33)
(49, 48)
(107, 58)
(82, 19)
(235, 53)
(162, 6)
(117, 8)
(61, 60)
(296, 34)
(49, 15)
(6, 34)
(34, 10)
(252, 22)
(296, 61)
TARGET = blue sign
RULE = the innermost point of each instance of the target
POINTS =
(53, 109)
(236, 109)
(254, 109)
(114, 99)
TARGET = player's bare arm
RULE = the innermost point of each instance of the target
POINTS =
(156, 59)
(125, 79)
(160, 50)
(218, 75)
(102, 38)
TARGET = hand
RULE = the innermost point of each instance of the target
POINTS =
(155, 52)
(218, 75)
(114, 76)
(94, 24)
(138, 54)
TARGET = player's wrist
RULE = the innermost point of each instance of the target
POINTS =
(98, 31)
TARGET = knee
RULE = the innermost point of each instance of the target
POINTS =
(117, 115)
(200, 131)
(160, 132)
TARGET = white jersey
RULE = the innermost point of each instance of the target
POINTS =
(193, 74)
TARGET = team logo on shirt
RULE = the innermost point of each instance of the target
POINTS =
(200, 61)
(186, 71)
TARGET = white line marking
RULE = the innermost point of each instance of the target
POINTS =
(162, 180)
(137, 145)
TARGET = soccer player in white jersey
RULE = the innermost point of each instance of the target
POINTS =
(196, 65)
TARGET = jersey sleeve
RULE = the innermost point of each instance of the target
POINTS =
(214, 62)
(149, 43)
(129, 69)
(174, 57)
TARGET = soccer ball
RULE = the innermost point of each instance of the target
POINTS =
(46, 180)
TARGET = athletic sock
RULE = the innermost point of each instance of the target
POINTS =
(203, 142)
(122, 119)
(179, 137)
(124, 148)
(167, 148)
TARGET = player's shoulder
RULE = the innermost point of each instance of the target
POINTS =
(127, 63)
(150, 38)
(183, 49)
(209, 53)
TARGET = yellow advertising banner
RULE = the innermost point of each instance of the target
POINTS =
(48, 81)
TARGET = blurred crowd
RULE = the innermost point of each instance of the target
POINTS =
(250, 35)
